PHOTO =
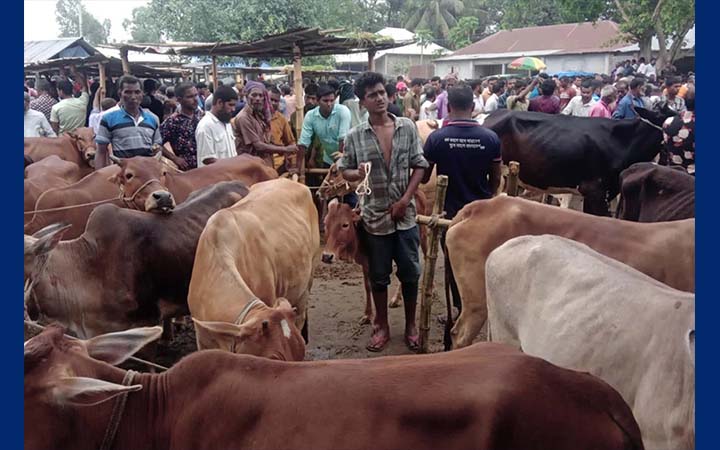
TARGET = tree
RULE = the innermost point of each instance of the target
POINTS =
(461, 35)
(424, 38)
(438, 16)
(66, 15)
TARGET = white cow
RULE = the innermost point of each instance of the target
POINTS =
(562, 301)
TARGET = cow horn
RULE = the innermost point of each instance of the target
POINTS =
(114, 159)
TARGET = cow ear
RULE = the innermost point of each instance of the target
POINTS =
(114, 348)
(88, 391)
(72, 134)
(333, 203)
(691, 344)
(356, 215)
(46, 239)
(284, 305)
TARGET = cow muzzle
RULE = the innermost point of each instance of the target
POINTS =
(90, 157)
(160, 201)
(327, 258)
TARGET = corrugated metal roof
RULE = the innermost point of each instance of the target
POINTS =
(39, 51)
(569, 38)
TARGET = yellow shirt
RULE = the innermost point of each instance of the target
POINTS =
(281, 135)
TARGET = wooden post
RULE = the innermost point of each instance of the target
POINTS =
(206, 73)
(125, 61)
(214, 71)
(299, 104)
(101, 74)
(430, 260)
(512, 180)
(371, 61)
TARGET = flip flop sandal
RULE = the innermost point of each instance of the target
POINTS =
(377, 346)
(413, 342)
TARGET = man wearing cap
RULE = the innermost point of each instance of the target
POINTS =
(253, 125)
(411, 102)
(330, 123)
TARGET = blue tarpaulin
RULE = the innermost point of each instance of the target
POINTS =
(572, 74)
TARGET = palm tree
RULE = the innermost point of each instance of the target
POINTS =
(424, 38)
(436, 15)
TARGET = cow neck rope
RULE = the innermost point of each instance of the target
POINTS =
(130, 200)
(363, 188)
(246, 309)
(117, 413)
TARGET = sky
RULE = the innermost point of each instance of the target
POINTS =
(40, 24)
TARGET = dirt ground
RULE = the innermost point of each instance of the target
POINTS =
(336, 307)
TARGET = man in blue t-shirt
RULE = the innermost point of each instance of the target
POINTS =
(470, 156)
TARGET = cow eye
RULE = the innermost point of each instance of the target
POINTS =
(128, 176)
(346, 225)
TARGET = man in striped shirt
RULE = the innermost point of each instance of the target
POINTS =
(132, 130)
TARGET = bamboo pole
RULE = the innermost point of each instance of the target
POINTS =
(101, 74)
(299, 104)
(429, 266)
(512, 180)
(214, 71)
(125, 61)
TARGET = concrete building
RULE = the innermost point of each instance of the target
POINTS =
(586, 47)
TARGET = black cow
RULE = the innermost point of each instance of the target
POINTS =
(586, 153)
(129, 268)
(653, 193)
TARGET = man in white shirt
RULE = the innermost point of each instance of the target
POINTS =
(426, 109)
(36, 125)
(476, 87)
(492, 102)
(642, 67)
(580, 105)
(214, 134)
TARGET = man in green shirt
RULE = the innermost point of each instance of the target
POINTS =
(330, 123)
(70, 112)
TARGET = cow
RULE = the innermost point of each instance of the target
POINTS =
(148, 178)
(128, 268)
(73, 204)
(48, 173)
(254, 265)
(343, 239)
(582, 310)
(587, 153)
(665, 251)
(486, 397)
(76, 146)
(653, 193)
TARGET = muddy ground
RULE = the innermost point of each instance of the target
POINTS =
(335, 310)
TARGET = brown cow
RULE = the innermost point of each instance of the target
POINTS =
(664, 251)
(128, 268)
(77, 146)
(653, 193)
(48, 173)
(342, 240)
(148, 178)
(485, 397)
(254, 265)
(89, 191)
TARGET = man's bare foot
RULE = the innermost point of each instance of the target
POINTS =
(379, 339)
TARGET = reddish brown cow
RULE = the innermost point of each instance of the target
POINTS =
(88, 191)
(148, 178)
(343, 240)
(77, 146)
(485, 397)
(51, 172)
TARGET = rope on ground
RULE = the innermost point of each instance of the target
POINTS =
(36, 327)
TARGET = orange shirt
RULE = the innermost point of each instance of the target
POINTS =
(281, 135)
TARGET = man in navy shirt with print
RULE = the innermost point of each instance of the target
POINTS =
(469, 155)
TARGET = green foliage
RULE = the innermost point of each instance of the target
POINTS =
(68, 20)
(461, 35)
(438, 16)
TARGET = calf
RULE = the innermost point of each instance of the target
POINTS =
(485, 397)
(128, 268)
(664, 251)
(652, 193)
(254, 265)
(77, 147)
(343, 238)
(562, 301)
(48, 173)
